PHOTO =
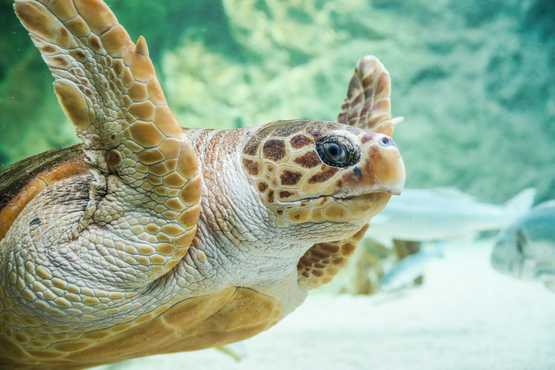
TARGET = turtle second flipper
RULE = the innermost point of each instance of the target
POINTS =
(368, 104)
(144, 165)
(323, 261)
(368, 101)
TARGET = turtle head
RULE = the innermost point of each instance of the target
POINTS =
(315, 173)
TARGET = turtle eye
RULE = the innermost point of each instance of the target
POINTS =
(337, 151)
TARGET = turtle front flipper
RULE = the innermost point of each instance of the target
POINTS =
(146, 186)
(368, 104)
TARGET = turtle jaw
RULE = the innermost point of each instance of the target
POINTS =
(366, 189)
(364, 207)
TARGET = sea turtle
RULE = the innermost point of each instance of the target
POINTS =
(148, 238)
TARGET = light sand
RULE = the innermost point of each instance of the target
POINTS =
(465, 316)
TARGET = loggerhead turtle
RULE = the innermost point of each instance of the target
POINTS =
(148, 238)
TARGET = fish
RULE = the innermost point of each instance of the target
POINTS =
(409, 268)
(525, 249)
(444, 213)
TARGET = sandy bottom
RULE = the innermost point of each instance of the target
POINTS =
(465, 316)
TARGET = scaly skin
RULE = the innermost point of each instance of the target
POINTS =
(62, 300)
(64, 306)
(178, 239)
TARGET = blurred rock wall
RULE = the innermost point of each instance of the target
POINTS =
(475, 80)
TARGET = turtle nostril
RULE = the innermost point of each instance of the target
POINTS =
(387, 141)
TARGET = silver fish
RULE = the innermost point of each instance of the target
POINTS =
(526, 249)
(409, 268)
(444, 213)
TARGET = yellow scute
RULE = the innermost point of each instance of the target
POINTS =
(72, 101)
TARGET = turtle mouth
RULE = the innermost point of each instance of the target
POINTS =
(364, 194)
(344, 198)
(366, 200)
(339, 208)
(366, 205)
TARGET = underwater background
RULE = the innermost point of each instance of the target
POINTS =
(475, 80)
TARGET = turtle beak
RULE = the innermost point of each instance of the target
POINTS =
(380, 169)
(384, 166)
(366, 188)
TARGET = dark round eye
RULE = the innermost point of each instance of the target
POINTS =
(337, 151)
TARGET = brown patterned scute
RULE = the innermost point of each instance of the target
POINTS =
(262, 186)
(316, 133)
(324, 175)
(309, 160)
(282, 128)
(319, 129)
(270, 198)
(288, 128)
(274, 150)
(299, 141)
(285, 194)
(251, 148)
(290, 177)
(251, 166)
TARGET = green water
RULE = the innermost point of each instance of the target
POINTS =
(474, 79)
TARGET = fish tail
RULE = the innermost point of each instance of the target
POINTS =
(522, 202)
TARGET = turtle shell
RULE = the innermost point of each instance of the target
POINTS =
(22, 181)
